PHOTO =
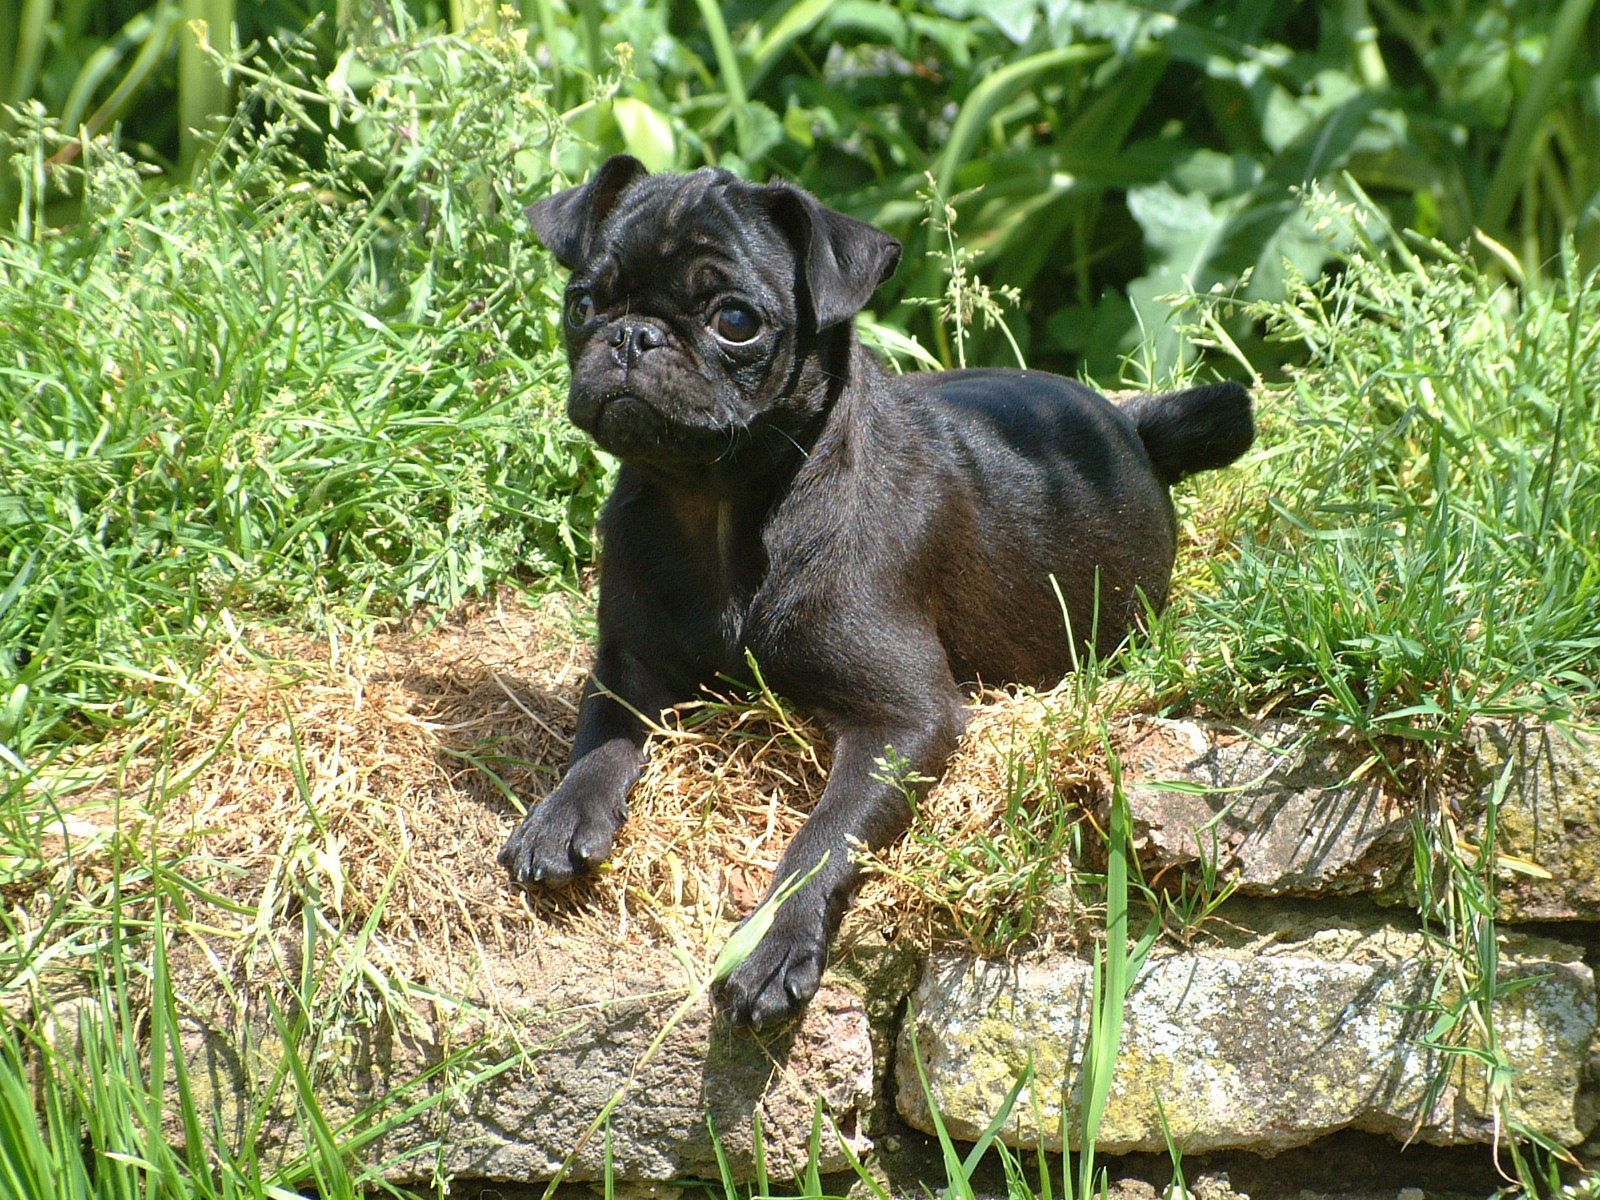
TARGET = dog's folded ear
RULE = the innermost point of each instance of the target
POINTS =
(842, 260)
(566, 222)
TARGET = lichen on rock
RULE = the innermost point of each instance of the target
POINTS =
(1549, 815)
(1262, 1045)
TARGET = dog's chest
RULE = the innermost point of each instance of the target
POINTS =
(717, 579)
(709, 634)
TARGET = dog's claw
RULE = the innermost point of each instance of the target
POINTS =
(781, 974)
(559, 838)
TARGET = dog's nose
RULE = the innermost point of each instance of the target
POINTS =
(631, 338)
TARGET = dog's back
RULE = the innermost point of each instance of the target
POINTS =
(1063, 485)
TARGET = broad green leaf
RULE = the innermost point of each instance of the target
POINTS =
(759, 130)
(1014, 18)
(646, 133)
(866, 20)
(985, 100)
(1182, 233)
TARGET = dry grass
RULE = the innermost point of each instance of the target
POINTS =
(386, 771)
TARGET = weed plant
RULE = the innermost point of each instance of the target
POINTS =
(101, 1095)
(313, 383)
(318, 382)
(1455, 884)
(1125, 149)
(97, 1099)
(1419, 547)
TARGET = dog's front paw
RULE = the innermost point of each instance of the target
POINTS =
(781, 974)
(564, 835)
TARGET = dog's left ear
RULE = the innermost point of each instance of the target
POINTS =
(566, 222)
(843, 260)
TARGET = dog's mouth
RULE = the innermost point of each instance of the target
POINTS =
(592, 410)
(625, 409)
(633, 427)
(622, 421)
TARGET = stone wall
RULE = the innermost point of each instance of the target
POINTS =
(1303, 1011)
(1298, 1013)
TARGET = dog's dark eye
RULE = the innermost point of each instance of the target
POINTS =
(580, 310)
(735, 323)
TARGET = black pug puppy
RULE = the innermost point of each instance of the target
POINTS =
(876, 541)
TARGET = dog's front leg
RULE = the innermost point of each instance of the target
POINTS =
(864, 805)
(571, 829)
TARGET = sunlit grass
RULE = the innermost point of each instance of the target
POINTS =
(322, 384)
(1418, 541)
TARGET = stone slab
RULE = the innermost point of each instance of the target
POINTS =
(1287, 811)
(1262, 1045)
(1549, 815)
(567, 1041)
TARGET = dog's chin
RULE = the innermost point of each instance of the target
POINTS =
(637, 430)
(626, 423)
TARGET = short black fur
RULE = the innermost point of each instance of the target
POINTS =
(1195, 430)
(879, 543)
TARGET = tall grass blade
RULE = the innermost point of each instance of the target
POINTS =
(729, 72)
(957, 1186)
(748, 936)
(1511, 169)
(1116, 968)
(986, 99)
(152, 53)
(203, 91)
(797, 20)
(730, 1190)
(26, 28)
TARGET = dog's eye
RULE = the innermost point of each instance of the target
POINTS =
(735, 323)
(580, 310)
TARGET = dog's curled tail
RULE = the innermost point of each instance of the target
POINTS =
(1196, 429)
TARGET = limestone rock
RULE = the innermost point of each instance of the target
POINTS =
(567, 1034)
(1281, 808)
(1262, 1045)
(1549, 815)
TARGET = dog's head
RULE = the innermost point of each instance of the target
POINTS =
(699, 308)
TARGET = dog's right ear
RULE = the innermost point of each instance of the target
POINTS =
(566, 222)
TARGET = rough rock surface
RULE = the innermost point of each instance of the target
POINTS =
(1280, 807)
(585, 1026)
(1307, 1026)
(1267, 1044)
(1549, 815)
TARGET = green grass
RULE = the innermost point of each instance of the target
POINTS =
(1124, 149)
(1420, 540)
(1417, 546)
(318, 384)
(1008, 883)
(322, 381)
(1116, 969)
(96, 1097)
(1456, 900)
